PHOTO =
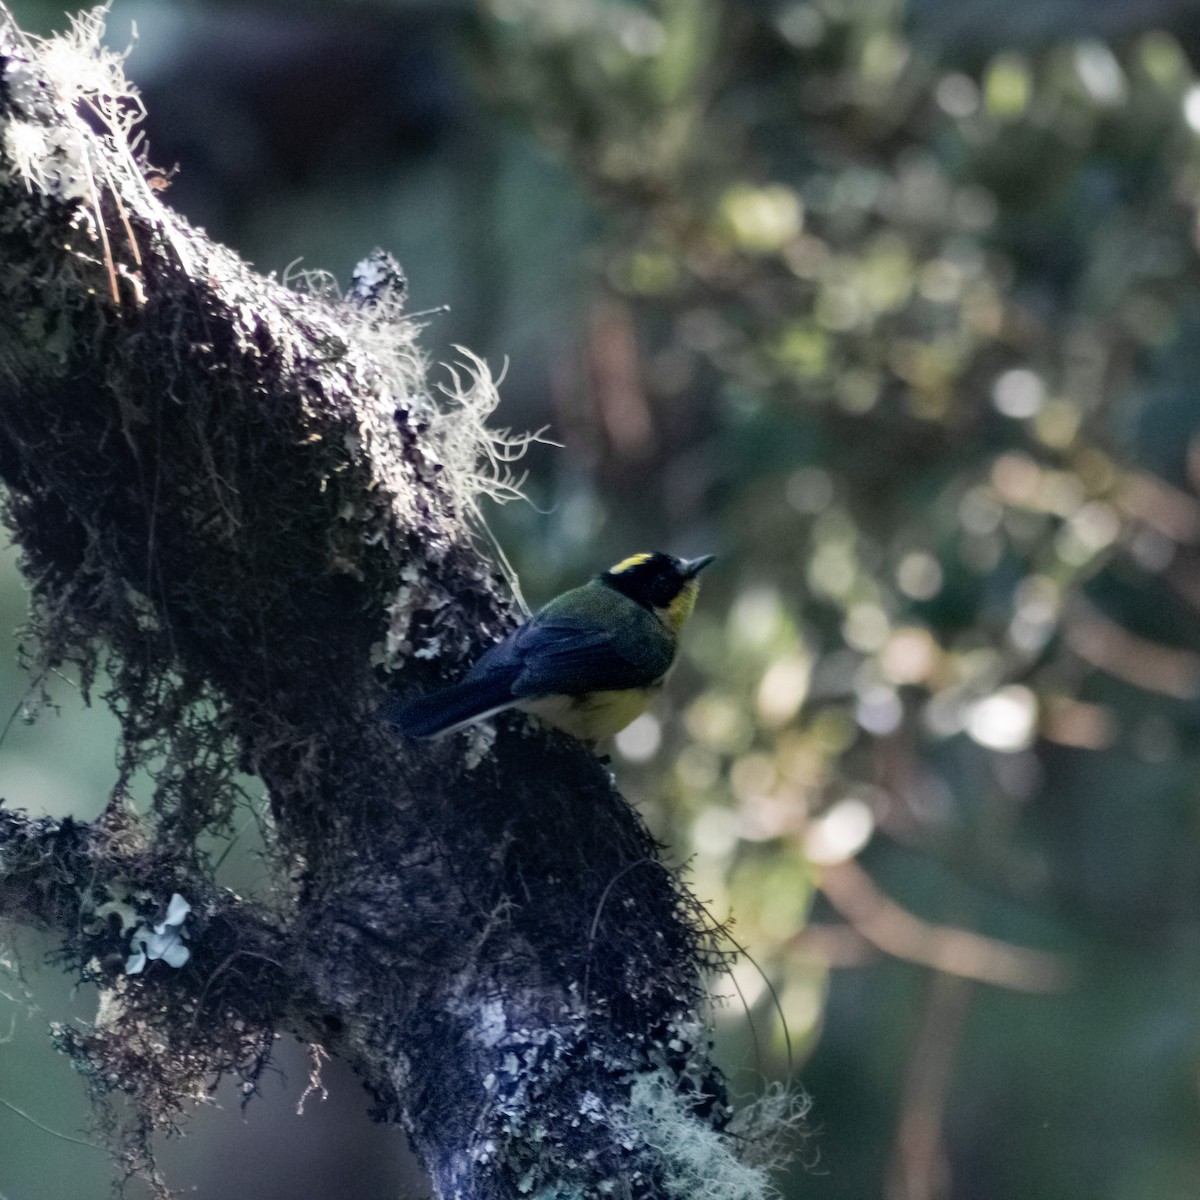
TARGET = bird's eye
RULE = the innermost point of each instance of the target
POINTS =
(662, 590)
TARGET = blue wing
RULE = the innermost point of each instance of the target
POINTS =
(551, 654)
(556, 655)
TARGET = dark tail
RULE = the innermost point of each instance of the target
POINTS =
(447, 710)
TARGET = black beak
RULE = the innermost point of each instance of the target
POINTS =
(693, 566)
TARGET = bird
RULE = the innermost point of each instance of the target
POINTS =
(588, 663)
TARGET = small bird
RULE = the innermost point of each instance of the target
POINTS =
(588, 663)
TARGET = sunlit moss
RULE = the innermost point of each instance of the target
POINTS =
(1096, 470)
(940, 281)
(804, 758)
(833, 569)
(1005, 720)
(1163, 60)
(982, 310)
(1007, 87)
(1153, 320)
(761, 220)
(697, 768)
(832, 731)
(919, 575)
(648, 273)
(758, 620)
(807, 256)
(783, 688)
(840, 832)
(957, 95)
(1191, 108)
(927, 366)
(719, 722)
(910, 655)
(802, 1002)
(840, 304)
(858, 390)
(1090, 531)
(715, 832)
(689, 32)
(773, 892)
(809, 490)
(1099, 72)
(885, 274)
(802, 349)
(866, 627)
(1017, 478)
(1057, 423)
(884, 57)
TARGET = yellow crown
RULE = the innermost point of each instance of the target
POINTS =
(627, 564)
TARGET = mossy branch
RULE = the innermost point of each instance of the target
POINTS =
(245, 505)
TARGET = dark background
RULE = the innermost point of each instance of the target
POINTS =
(896, 309)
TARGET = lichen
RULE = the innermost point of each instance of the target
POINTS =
(226, 492)
(693, 1158)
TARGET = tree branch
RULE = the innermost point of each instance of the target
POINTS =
(244, 503)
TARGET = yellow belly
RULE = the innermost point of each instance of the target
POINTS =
(593, 716)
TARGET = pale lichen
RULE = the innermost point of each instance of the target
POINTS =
(693, 1158)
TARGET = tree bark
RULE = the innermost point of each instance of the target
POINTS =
(242, 502)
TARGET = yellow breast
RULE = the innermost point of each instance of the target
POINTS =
(677, 612)
(593, 716)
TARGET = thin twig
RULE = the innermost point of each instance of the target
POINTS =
(919, 1168)
(46, 1128)
(894, 930)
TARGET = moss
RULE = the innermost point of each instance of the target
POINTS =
(692, 1158)
(242, 505)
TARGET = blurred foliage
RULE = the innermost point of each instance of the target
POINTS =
(911, 343)
(901, 316)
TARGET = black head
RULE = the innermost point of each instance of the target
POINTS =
(655, 580)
